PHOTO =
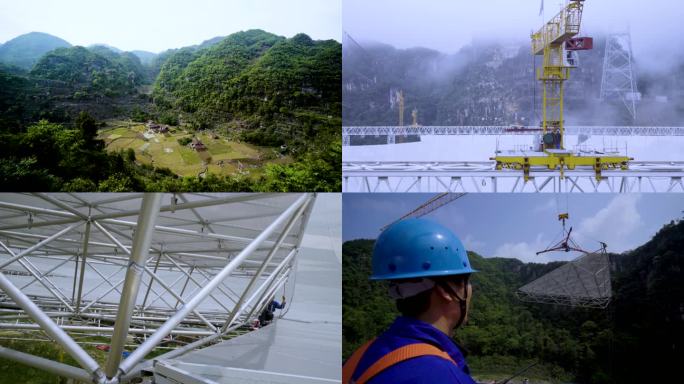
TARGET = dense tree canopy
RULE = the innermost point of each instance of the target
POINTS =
(90, 73)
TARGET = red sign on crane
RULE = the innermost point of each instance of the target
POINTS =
(579, 43)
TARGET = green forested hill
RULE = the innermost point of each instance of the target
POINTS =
(91, 72)
(130, 62)
(635, 340)
(25, 50)
(252, 73)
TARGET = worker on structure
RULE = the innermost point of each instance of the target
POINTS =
(267, 314)
(556, 138)
(428, 272)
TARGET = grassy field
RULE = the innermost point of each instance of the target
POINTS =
(222, 157)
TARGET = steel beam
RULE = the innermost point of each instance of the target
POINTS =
(141, 246)
(190, 278)
(498, 130)
(38, 277)
(99, 329)
(451, 176)
(257, 275)
(39, 245)
(195, 204)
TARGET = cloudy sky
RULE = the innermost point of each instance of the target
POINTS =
(518, 225)
(447, 25)
(157, 25)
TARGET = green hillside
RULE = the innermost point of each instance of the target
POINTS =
(91, 72)
(250, 73)
(633, 341)
(25, 50)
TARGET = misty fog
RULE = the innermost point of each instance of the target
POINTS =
(448, 25)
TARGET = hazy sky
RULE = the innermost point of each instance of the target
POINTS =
(447, 25)
(157, 25)
(518, 225)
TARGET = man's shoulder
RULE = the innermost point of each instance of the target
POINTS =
(423, 369)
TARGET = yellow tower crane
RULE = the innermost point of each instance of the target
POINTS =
(556, 42)
(414, 116)
(400, 98)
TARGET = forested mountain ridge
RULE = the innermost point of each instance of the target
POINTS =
(97, 71)
(635, 340)
(248, 73)
(25, 50)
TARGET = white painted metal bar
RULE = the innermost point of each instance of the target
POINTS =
(33, 209)
(180, 268)
(180, 299)
(288, 227)
(220, 287)
(138, 257)
(100, 329)
(188, 232)
(61, 205)
(39, 245)
(195, 204)
(508, 130)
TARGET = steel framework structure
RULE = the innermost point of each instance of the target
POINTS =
(148, 269)
(618, 81)
(481, 176)
(392, 131)
(583, 282)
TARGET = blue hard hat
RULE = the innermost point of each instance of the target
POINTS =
(418, 247)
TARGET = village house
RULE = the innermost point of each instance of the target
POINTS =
(197, 145)
(157, 128)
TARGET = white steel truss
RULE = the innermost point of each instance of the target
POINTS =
(618, 82)
(474, 176)
(583, 282)
(151, 271)
(392, 131)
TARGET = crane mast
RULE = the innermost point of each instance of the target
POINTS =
(550, 41)
(400, 98)
(557, 43)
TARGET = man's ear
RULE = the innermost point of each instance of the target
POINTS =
(442, 293)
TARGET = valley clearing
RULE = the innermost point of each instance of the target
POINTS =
(163, 150)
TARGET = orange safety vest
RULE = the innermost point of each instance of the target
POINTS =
(397, 356)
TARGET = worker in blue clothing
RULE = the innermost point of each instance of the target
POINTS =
(266, 315)
(428, 272)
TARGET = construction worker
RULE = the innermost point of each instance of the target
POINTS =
(266, 315)
(556, 138)
(428, 272)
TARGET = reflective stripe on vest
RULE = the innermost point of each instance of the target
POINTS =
(397, 356)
